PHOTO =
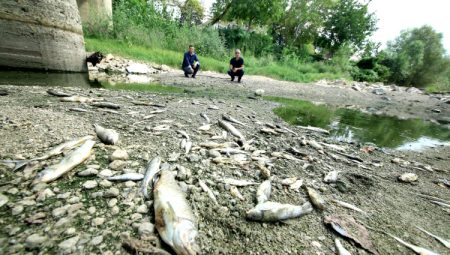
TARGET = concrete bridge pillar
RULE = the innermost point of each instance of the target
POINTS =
(95, 11)
(44, 35)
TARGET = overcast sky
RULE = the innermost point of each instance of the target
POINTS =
(397, 15)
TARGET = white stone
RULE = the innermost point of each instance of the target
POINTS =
(112, 202)
(146, 228)
(98, 221)
(115, 210)
(105, 173)
(91, 184)
(105, 184)
(408, 177)
(88, 172)
(137, 68)
(97, 240)
(69, 245)
(112, 192)
(130, 184)
(142, 209)
(119, 154)
(117, 165)
(259, 92)
(35, 240)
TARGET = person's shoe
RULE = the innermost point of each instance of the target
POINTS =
(186, 75)
(193, 77)
(232, 79)
(239, 81)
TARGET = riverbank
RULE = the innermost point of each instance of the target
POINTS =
(101, 218)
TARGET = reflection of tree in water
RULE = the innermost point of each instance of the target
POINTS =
(351, 125)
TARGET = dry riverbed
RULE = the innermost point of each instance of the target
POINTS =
(87, 214)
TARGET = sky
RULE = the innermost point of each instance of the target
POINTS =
(397, 15)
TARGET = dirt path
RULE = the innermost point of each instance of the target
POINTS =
(340, 94)
(66, 217)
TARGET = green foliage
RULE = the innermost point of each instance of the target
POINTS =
(417, 57)
(251, 42)
(192, 12)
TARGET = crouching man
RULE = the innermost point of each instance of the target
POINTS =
(236, 66)
(190, 65)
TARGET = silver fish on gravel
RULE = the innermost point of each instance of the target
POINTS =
(416, 249)
(446, 243)
(208, 191)
(331, 177)
(340, 248)
(231, 119)
(347, 205)
(126, 177)
(152, 169)
(174, 220)
(184, 134)
(263, 192)
(238, 183)
(107, 136)
(230, 128)
(68, 163)
(205, 117)
(272, 211)
(236, 193)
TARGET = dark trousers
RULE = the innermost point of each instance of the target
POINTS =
(189, 70)
(238, 73)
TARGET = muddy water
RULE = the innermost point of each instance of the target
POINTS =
(349, 125)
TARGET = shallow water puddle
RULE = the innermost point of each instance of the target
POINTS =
(355, 126)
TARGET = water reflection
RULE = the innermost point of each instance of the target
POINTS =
(50, 79)
(355, 126)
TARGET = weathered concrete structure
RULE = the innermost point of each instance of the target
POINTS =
(44, 34)
(93, 11)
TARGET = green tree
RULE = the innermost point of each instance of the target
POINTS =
(417, 57)
(192, 12)
(348, 22)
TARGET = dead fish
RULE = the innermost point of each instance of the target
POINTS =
(264, 171)
(213, 145)
(108, 105)
(229, 151)
(68, 163)
(235, 192)
(213, 107)
(107, 136)
(157, 111)
(263, 192)
(208, 191)
(296, 185)
(163, 127)
(272, 211)
(174, 220)
(53, 152)
(331, 177)
(440, 203)
(232, 120)
(230, 128)
(315, 145)
(184, 134)
(238, 183)
(316, 199)
(203, 115)
(315, 129)
(150, 173)
(443, 182)
(340, 248)
(416, 249)
(268, 131)
(187, 147)
(283, 155)
(126, 177)
(333, 146)
(446, 243)
(223, 160)
(57, 93)
(183, 143)
(78, 99)
(76, 109)
(288, 181)
(347, 205)
(205, 127)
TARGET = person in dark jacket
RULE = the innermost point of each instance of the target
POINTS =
(190, 65)
(236, 66)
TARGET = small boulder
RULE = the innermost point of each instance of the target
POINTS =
(408, 177)
(119, 154)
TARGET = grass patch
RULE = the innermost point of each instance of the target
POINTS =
(289, 70)
(154, 87)
(438, 88)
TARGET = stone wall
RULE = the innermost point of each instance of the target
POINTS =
(93, 11)
(43, 35)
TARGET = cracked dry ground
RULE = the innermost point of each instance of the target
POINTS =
(66, 217)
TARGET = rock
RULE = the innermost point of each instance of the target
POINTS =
(115, 210)
(35, 240)
(69, 245)
(408, 177)
(138, 69)
(13, 191)
(105, 184)
(119, 154)
(378, 91)
(91, 184)
(194, 158)
(97, 240)
(70, 231)
(71, 209)
(3, 200)
(117, 165)
(60, 211)
(112, 202)
(63, 222)
(97, 222)
(436, 110)
(130, 184)
(18, 209)
(173, 157)
(73, 200)
(414, 90)
(88, 172)
(259, 92)
(356, 87)
(92, 210)
(105, 173)
(183, 173)
(112, 192)
(142, 209)
(214, 153)
(63, 195)
(146, 228)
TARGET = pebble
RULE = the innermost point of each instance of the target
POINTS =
(35, 240)
(136, 216)
(98, 221)
(92, 210)
(130, 184)
(63, 195)
(13, 191)
(97, 240)
(117, 165)
(93, 166)
(18, 209)
(146, 228)
(105, 183)
(62, 222)
(70, 231)
(60, 211)
(112, 202)
(97, 194)
(105, 173)
(91, 184)
(112, 192)
(73, 200)
(183, 173)
(74, 208)
(142, 209)
(259, 92)
(88, 172)
(115, 210)
(119, 154)
(69, 245)
(408, 177)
